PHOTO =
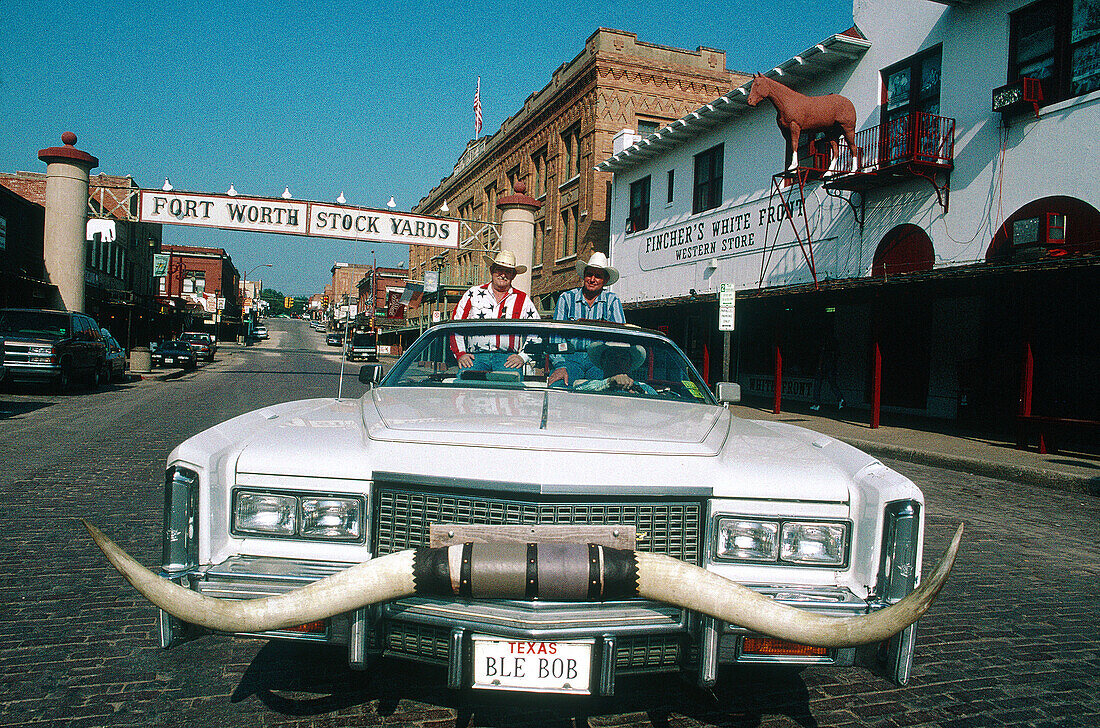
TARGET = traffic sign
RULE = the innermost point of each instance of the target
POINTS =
(726, 306)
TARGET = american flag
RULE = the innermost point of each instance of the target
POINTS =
(477, 109)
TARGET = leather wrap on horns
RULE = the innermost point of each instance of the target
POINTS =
(528, 571)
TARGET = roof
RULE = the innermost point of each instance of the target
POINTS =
(809, 65)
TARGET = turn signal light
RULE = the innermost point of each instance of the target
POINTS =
(772, 646)
(317, 627)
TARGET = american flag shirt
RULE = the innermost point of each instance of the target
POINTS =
(480, 303)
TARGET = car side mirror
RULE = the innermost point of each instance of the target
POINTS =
(371, 374)
(728, 392)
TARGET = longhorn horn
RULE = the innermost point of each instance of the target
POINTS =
(564, 568)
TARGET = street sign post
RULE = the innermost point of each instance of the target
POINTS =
(726, 306)
(726, 316)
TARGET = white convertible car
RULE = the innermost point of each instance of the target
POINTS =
(542, 537)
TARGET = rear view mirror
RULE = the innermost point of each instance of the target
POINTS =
(370, 374)
(728, 392)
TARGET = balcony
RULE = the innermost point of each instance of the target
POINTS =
(916, 145)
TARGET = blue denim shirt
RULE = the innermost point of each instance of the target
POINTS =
(572, 307)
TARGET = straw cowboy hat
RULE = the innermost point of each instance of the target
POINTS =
(600, 349)
(598, 260)
(505, 259)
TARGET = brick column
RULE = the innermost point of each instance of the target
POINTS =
(517, 230)
(67, 170)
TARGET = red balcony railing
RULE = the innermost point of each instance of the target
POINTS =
(920, 138)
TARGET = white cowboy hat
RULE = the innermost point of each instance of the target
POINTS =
(598, 260)
(505, 259)
(598, 350)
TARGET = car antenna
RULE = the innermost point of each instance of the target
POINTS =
(343, 358)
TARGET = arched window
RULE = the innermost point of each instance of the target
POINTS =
(905, 249)
(1050, 227)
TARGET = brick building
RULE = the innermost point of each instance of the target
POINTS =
(22, 270)
(380, 309)
(119, 287)
(197, 278)
(552, 144)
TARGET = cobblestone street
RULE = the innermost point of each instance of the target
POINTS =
(1014, 640)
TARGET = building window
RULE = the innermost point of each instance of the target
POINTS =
(639, 205)
(913, 85)
(911, 92)
(647, 127)
(570, 219)
(708, 180)
(194, 281)
(571, 153)
(538, 166)
(466, 210)
(540, 238)
(491, 202)
(670, 185)
(1057, 42)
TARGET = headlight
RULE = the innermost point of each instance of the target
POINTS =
(747, 540)
(299, 515)
(264, 513)
(820, 544)
(331, 518)
(802, 543)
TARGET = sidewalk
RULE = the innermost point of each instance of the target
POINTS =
(940, 444)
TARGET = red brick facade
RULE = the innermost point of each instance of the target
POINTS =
(553, 143)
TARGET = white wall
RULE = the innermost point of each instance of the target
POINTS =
(1053, 155)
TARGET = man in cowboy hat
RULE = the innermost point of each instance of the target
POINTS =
(590, 302)
(493, 300)
(617, 360)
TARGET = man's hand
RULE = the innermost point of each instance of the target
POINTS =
(465, 361)
(620, 381)
(558, 375)
(514, 361)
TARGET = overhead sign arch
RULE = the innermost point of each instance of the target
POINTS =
(296, 217)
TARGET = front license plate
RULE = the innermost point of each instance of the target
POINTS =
(169, 360)
(537, 667)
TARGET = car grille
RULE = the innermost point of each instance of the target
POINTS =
(429, 643)
(403, 516)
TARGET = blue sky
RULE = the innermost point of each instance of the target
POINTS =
(368, 99)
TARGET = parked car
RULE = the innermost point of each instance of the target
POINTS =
(116, 356)
(57, 347)
(259, 331)
(204, 344)
(175, 353)
(362, 345)
(532, 536)
(335, 338)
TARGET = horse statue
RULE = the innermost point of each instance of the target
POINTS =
(796, 113)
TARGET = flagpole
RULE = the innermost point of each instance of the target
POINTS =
(477, 109)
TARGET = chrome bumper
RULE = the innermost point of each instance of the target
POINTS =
(631, 636)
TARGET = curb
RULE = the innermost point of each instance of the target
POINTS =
(1040, 477)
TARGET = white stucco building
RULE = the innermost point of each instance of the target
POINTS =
(962, 253)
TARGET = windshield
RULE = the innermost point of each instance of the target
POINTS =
(585, 359)
(34, 323)
(362, 340)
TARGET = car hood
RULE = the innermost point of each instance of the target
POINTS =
(542, 419)
(589, 443)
